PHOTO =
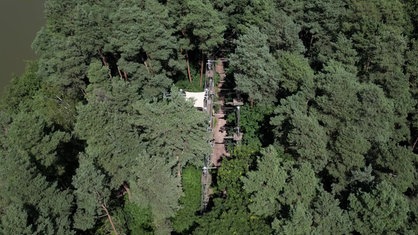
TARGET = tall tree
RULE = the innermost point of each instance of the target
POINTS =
(39, 206)
(255, 68)
(174, 129)
(92, 195)
(370, 211)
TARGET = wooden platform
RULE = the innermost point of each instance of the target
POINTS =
(235, 102)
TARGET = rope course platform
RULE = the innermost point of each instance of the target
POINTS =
(210, 162)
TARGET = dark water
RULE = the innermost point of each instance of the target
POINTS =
(19, 22)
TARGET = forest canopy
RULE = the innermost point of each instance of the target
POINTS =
(90, 143)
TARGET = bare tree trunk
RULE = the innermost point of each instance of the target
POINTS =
(146, 66)
(415, 143)
(128, 191)
(110, 219)
(149, 63)
(120, 73)
(105, 63)
(178, 167)
(188, 68)
(201, 71)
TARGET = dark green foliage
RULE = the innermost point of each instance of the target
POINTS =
(38, 205)
(296, 74)
(254, 67)
(173, 129)
(396, 165)
(89, 134)
(253, 122)
(139, 220)
(193, 86)
(369, 211)
(22, 88)
(229, 213)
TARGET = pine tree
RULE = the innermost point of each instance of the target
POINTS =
(173, 129)
(254, 67)
(92, 195)
(40, 207)
(370, 211)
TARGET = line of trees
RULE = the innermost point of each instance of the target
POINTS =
(89, 145)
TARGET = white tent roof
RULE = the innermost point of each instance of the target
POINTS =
(197, 97)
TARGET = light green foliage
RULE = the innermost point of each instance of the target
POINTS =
(253, 124)
(91, 193)
(154, 186)
(15, 221)
(370, 211)
(138, 219)
(279, 183)
(190, 203)
(193, 86)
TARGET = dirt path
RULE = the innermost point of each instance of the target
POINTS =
(219, 132)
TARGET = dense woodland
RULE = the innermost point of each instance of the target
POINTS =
(90, 145)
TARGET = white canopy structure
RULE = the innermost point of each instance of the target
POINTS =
(198, 98)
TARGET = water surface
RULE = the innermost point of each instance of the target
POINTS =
(19, 22)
